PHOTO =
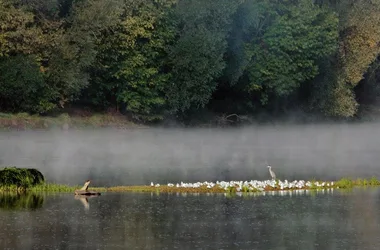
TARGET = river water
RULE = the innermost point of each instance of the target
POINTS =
(279, 220)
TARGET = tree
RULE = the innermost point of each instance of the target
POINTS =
(22, 86)
(197, 57)
(73, 48)
(359, 39)
(130, 67)
(18, 34)
(287, 53)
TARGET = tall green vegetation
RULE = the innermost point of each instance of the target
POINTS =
(129, 71)
(12, 177)
(156, 58)
(359, 39)
(279, 47)
(196, 58)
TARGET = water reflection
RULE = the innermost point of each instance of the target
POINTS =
(84, 200)
(257, 194)
(17, 201)
(314, 220)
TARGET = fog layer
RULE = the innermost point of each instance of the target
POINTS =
(126, 157)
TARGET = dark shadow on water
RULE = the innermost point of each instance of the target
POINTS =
(20, 201)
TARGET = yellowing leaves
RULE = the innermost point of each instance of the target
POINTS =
(360, 40)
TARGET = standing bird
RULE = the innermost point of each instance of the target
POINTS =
(272, 174)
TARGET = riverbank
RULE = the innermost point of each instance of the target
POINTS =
(81, 119)
(217, 187)
(248, 186)
(24, 121)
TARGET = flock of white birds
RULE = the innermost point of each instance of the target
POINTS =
(254, 185)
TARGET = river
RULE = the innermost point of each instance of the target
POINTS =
(335, 219)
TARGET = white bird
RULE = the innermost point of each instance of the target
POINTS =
(272, 174)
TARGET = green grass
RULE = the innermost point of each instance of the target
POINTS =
(23, 179)
(53, 187)
(374, 181)
(345, 183)
(349, 183)
(48, 187)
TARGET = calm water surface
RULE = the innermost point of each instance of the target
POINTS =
(329, 220)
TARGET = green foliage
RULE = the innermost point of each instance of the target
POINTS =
(374, 181)
(359, 38)
(358, 49)
(361, 182)
(12, 177)
(287, 53)
(245, 189)
(344, 183)
(144, 38)
(22, 86)
(371, 182)
(53, 187)
(138, 42)
(151, 58)
(73, 50)
(196, 58)
(18, 34)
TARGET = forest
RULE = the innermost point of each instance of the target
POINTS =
(157, 59)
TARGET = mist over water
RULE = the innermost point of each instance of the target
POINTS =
(139, 156)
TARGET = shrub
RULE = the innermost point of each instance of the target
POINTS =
(374, 181)
(20, 177)
(344, 183)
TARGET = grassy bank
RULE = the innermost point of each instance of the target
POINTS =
(219, 187)
(29, 179)
(233, 187)
(53, 187)
(48, 187)
(24, 121)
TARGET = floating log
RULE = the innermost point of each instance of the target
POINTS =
(89, 192)
(84, 190)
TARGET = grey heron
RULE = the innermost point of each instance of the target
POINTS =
(272, 174)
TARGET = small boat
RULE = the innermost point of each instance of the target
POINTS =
(84, 190)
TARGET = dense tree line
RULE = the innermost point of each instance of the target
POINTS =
(158, 58)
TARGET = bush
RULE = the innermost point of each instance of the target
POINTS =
(374, 181)
(12, 177)
(344, 183)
